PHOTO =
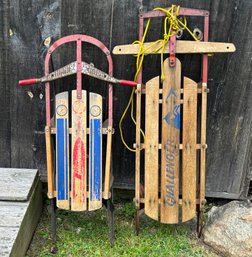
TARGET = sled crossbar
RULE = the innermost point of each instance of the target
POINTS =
(182, 47)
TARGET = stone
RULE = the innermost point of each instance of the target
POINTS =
(228, 229)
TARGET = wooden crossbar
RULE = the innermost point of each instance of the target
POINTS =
(182, 47)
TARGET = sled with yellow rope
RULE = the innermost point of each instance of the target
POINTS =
(172, 148)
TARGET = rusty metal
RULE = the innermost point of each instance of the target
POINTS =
(137, 221)
(198, 34)
(72, 68)
(182, 12)
(179, 33)
(200, 224)
(110, 209)
(205, 56)
(53, 225)
(78, 38)
(172, 51)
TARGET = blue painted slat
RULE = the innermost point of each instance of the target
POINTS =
(62, 159)
(95, 159)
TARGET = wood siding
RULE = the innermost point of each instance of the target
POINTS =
(24, 25)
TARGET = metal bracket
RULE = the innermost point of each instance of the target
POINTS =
(173, 51)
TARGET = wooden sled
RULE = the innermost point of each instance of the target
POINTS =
(76, 180)
(172, 147)
(172, 156)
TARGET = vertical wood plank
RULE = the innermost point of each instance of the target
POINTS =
(62, 151)
(138, 143)
(7, 75)
(49, 161)
(203, 144)
(169, 211)
(189, 150)
(151, 148)
(95, 151)
(79, 150)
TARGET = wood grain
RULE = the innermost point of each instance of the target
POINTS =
(62, 150)
(182, 47)
(95, 151)
(169, 211)
(79, 150)
(49, 161)
(18, 220)
(151, 148)
(189, 150)
(22, 118)
(16, 184)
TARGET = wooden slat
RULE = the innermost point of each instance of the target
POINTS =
(138, 142)
(199, 90)
(182, 47)
(62, 150)
(143, 200)
(87, 194)
(198, 146)
(104, 131)
(151, 148)
(181, 101)
(108, 165)
(169, 212)
(49, 161)
(79, 150)
(95, 151)
(189, 150)
(203, 141)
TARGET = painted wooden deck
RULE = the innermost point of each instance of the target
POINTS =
(20, 208)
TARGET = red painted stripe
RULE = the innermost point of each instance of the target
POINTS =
(79, 171)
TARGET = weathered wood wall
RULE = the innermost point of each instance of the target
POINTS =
(24, 25)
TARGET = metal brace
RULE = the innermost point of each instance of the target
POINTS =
(173, 51)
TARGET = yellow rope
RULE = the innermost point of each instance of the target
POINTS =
(139, 63)
(174, 23)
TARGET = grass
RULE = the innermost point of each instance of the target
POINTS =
(86, 234)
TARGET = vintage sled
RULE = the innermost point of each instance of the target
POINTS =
(75, 177)
(174, 149)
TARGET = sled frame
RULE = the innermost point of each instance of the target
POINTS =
(50, 129)
(202, 86)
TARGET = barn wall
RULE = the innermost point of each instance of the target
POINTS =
(24, 25)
